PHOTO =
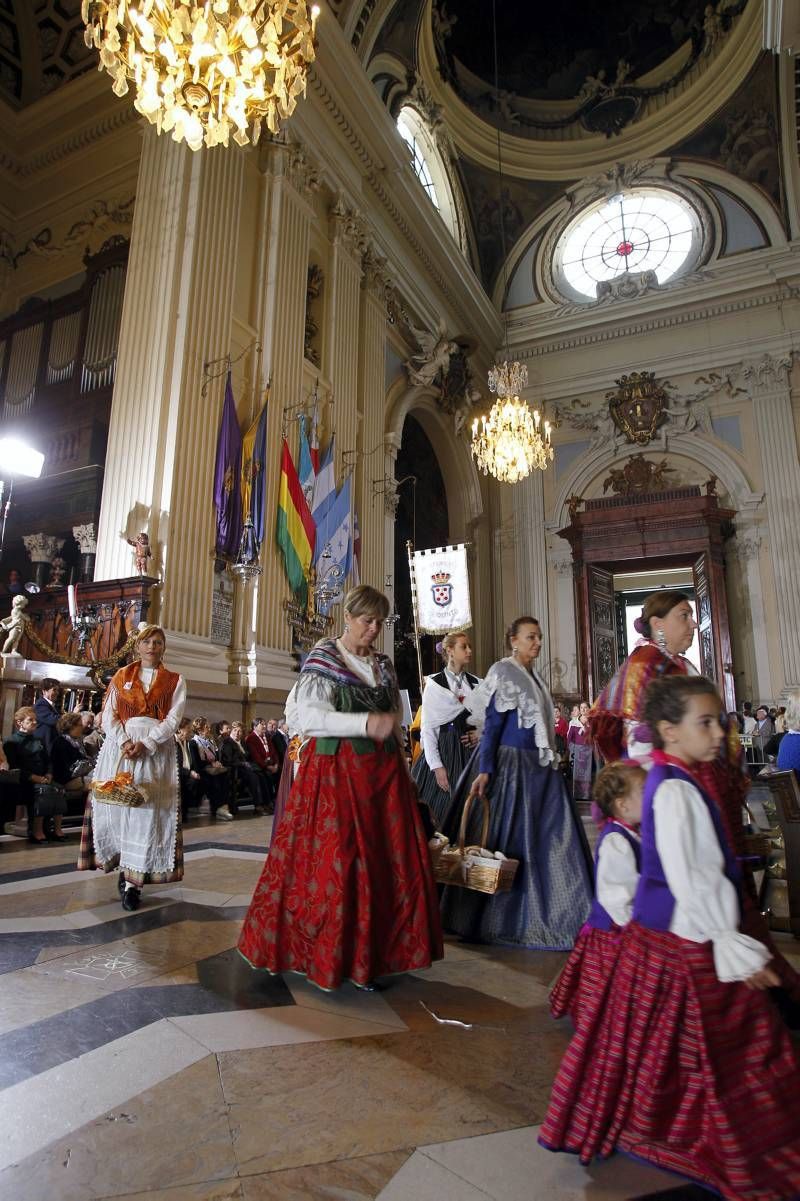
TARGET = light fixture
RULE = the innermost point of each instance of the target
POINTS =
(16, 458)
(206, 71)
(510, 442)
(247, 566)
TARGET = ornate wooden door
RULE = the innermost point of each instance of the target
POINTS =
(713, 635)
(602, 632)
(705, 628)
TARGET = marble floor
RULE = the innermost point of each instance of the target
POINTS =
(141, 1058)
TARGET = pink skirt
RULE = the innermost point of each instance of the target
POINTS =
(585, 976)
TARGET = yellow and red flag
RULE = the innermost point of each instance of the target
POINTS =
(294, 529)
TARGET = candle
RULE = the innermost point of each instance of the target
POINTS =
(73, 608)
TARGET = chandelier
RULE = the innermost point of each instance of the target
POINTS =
(509, 443)
(206, 71)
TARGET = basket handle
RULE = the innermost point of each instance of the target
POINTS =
(462, 829)
(120, 762)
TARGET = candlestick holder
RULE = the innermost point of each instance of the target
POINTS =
(84, 623)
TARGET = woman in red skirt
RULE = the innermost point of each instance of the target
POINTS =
(682, 1061)
(617, 793)
(347, 892)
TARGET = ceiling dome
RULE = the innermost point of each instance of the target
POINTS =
(547, 51)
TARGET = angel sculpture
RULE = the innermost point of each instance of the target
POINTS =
(434, 356)
(14, 625)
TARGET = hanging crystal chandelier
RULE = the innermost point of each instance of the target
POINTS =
(206, 71)
(509, 443)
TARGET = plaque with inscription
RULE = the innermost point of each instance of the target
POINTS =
(222, 609)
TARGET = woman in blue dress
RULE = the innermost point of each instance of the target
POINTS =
(532, 817)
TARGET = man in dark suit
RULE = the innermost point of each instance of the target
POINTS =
(262, 752)
(47, 713)
(276, 738)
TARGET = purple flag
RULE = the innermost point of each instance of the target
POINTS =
(227, 472)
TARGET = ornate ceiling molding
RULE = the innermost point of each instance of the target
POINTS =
(530, 158)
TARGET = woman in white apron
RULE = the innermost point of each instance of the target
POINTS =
(142, 710)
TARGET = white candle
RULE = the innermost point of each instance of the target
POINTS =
(73, 608)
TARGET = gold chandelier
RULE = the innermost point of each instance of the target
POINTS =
(509, 443)
(206, 71)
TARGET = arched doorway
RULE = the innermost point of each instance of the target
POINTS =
(422, 518)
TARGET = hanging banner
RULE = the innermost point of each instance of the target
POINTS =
(440, 583)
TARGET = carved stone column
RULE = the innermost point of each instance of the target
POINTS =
(563, 654)
(749, 633)
(177, 314)
(531, 548)
(86, 537)
(768, 381)
(343, 325)
(42, 549)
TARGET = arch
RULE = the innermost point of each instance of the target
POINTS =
(432, 171)
(697, 447)
(464, 497)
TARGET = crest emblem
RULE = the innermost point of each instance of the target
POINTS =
(638, 406)
(441, 588)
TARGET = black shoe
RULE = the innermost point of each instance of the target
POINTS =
(370, 986)
(131, 898)
(121, 883)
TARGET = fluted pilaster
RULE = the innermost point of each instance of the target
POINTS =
(290, 216)
(768, 381)
(531, 550)
(343, 325)
(140, 430)
(376, 522)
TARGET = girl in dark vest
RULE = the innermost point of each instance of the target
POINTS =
(618, 795)
(684, 1062)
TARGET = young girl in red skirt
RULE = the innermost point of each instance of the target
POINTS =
(617, 793)
(683, 1061)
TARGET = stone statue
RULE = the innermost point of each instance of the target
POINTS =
(15, 624)
(141, 552)
(434, 356)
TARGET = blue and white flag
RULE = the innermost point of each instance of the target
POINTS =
(305, 464)
(323, 497)
(334, 560)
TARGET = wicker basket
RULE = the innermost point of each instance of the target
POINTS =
(466, 867)
(119, 791)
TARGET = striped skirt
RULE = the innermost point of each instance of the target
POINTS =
(686, 1073)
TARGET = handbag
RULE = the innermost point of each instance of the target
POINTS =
(215, 768)
(49, 800)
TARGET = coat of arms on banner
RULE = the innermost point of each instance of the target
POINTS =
(441, 588)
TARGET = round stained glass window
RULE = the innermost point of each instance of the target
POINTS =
(643, 230)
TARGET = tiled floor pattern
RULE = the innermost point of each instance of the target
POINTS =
(140, 1057)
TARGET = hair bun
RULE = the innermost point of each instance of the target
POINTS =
(640, 625)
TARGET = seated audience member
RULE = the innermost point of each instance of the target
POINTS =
(213, 776)
(27, 752)
(70, 763)
(94, 739)
(188, 779)
(789, 749)
(47, 712)
(263, 754)
(275, 735)
(233, 755)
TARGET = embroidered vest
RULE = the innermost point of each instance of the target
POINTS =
(599, 918)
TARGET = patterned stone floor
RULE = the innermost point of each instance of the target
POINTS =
(141, 1058)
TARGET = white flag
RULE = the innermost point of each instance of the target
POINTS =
(441, 584)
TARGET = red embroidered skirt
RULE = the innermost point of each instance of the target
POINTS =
(586, 973)
(694, 1076)
(347, 891)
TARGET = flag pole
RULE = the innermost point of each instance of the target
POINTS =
(410, 550)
